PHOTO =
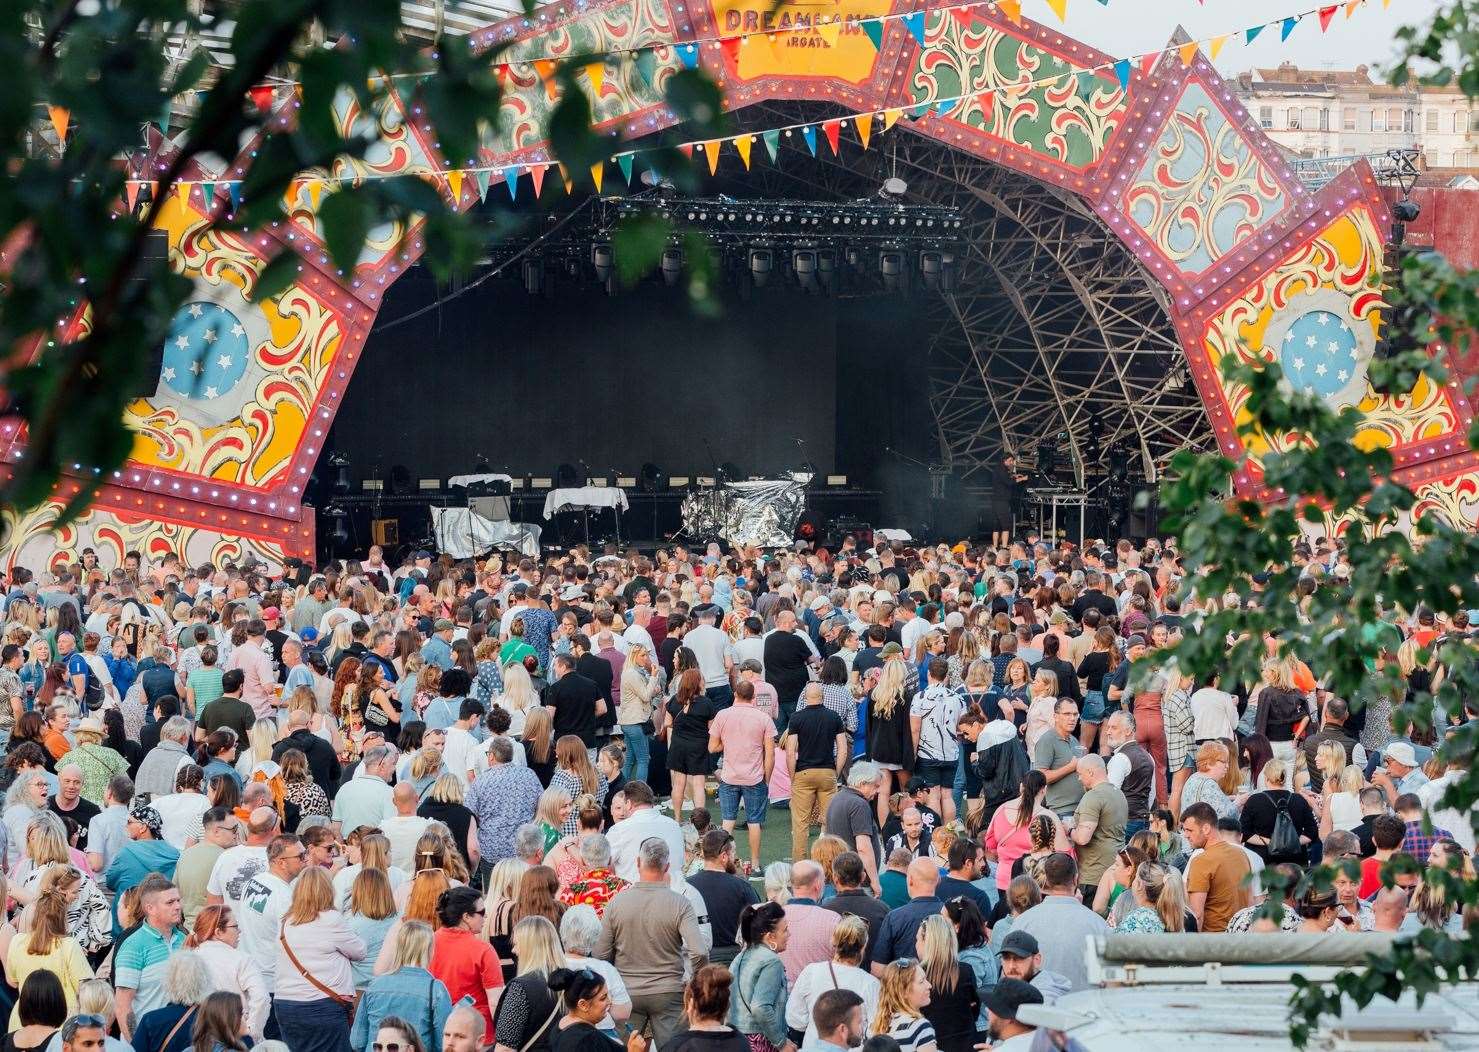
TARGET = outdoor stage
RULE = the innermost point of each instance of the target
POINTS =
(1129, 227)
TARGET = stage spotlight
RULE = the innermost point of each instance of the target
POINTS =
(340, 463)
(671, 264)
(891, 267)
(931, 269)
(338, 535)
(534, 275)
(893, 187)
(651, 479)
(603, 260)
(1406, 211)
(804, 264)
(826, 269)
(400, 480)
(762, 261)
(949, 273)
(568, 476)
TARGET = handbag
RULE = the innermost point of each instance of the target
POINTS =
(164, 1045)
(374, 715)
(349, 1002)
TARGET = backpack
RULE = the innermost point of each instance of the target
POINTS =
(1284, 840)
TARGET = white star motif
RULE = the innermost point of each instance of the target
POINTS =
(1289, 337)
(1320, 369)
(182, 341)
(1309, 389)
(209, 336)
(210, 392)
(1298, 363)
(224, 361)
(237, 330)
(1324, 319)
(195, 310)
(168, 374)
(1309, 341)
(197, 368)
(1332, 347)
(1342, 376)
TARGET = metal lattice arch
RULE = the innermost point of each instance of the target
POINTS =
(1130, 233)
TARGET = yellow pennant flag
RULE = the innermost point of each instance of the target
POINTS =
(1187, 51)
(865, 128)
(598, 171)
(1217, 43)
(743, 144)
(61, 120)
(182, 194)
(1386, 4)
(1060, 8)
(597, 72)
(890, 118)
(830, 32)
(711, 151)
(454, 183)
(565, 177)
(315, 192)
(1012, 9)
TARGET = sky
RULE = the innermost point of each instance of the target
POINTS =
(1131, 27)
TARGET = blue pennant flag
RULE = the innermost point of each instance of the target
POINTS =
(914, 22)
(944, 106)
(234, 189)
(1289, 24)
(207, 194)
(874, 28)
(809, 133)
(624, 162)
(1122, 71)
(689, 54)
(511, 180)
(1251, 33)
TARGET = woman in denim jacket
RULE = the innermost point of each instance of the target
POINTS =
(410, 992)
(758, 1009)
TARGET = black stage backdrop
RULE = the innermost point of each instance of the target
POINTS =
(527, 382)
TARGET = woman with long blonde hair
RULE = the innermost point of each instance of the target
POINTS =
(47, 945)
(500, 901)
(576, 775)
(890, 740)
(315, 940)
(1156, 908)
(904, 992)
(539, 743)
(519, 700)
(954, 1000)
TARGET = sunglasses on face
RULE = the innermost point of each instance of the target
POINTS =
(389, 1046)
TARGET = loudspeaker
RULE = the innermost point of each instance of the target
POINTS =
(495, 508)
(385, 532)
(156, 249)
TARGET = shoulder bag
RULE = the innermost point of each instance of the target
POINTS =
(534, 1037)
(334, 995)
(164, 1045)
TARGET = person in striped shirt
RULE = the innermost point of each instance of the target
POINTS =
(140, 962)
(905, 991)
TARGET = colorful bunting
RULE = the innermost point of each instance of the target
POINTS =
(711, 151)
(483, 178)
(864, 121)
(61, 120)
(964, 15)
(233, 190)
(731, 48)
(689, 54)
(809, 133)
(1350, 8)
(315, 192)
(546, 70)
(537, 174)
(261, 96)
(1250, 33)
(830, 31)
(1012, 9)
(987, 101)
(833, 130)
(624, 162)
(131, 194)
(596, 71)
(1187, 52)
(565, 177)
(1147, 62)
(1122, 71)
(742, 146)
(874, 28)
(598, 172)
(1288, 27)
(772, 140)
(914, 22)
(1326, 14)
(454, 183)
(891, 117)
(646, 63)
(1060, 8)
(1216, 45)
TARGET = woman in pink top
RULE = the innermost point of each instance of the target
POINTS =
(1009, 836)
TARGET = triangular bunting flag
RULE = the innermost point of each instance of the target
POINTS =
(1350, 8)
(1386, 4)
(833, 130)
(687, 149)
(1326, 14)
(1216, 45)
(1147, 62)
(864, 122)
(565, 178)
(1250, 33)
(182, 194)
(261, 96)
(454, 183)
(772, 141)
(830, 31)
(711, 151)
(742, 147)
(598, 172)
(164, 118)
(596, 71)
(689, 54)
(537, 173)
(891, 117)
(809, 133)
(1086, 82)
(1288, 27)
(919, 111)
(61, 120)
(944, 106)
(731, 48)
(131, 194)
(874, 28)
(546, 70)
(646, 63)
(987, 101)
(1187, 52)
(234, 190)
(914, 22)
(207, 195)
(964, 15)
(1012, 9)
(315, 192)
(1060, 8)
(624, 162)
(510, 180)
(1122, 71)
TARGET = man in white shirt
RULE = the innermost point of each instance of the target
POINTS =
(462, 753)
(181, 809)
(265, 899)
(404, 828)
(238, 865)
(645, 822)
(752, 647)
(367, 800)
(715, 654)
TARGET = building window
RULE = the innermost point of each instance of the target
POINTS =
(1430, 121)
(1473, 119)
(1394, 118)
(1294, 118)
(1310, 118)
(1266, 116)
(1324, 120)
(1348, 119)
(1378, 120)
(1408, 122)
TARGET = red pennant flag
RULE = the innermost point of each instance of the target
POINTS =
(501, 72)
(730, 46)
(963, 15)
(832, 129)
(1147, 62)
(546, 70)
(687, 149)
(131, 193)
(261, 97)
(987, 99)
(1326, 14)
(537, 173)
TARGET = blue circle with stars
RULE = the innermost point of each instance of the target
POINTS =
(206, 352)
(1319, 354)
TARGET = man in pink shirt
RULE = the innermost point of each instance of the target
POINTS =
(809, 921)
(746, 738)
(766, 699)
(259, 685)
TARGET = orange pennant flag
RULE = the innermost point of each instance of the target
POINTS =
(1350, 8)
(1012, 9)
(1217, 43)
(546, 70)
(864, 122)
(1060, 8)
(131, 194)
(61, 120)
(565, 178)
(598, 172)
(1187, 51)
(597, 72)
(537, 174)
(743, 144)
(454, 183)
(830, 32)
(315, 192)
(711, 151)
(890, 118)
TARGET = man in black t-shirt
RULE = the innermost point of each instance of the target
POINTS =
(816, 747)
(724, 893)
(574, 698)
(788, 658)
(69, 801)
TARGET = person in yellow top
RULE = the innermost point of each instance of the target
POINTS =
(47, 945)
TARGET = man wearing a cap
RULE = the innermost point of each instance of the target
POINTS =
(1400, 773)
(1021, 961)
(438, 649)
(1007, 1032)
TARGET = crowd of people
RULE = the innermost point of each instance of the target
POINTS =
(457, 806)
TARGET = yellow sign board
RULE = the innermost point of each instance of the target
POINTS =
(824, 38)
